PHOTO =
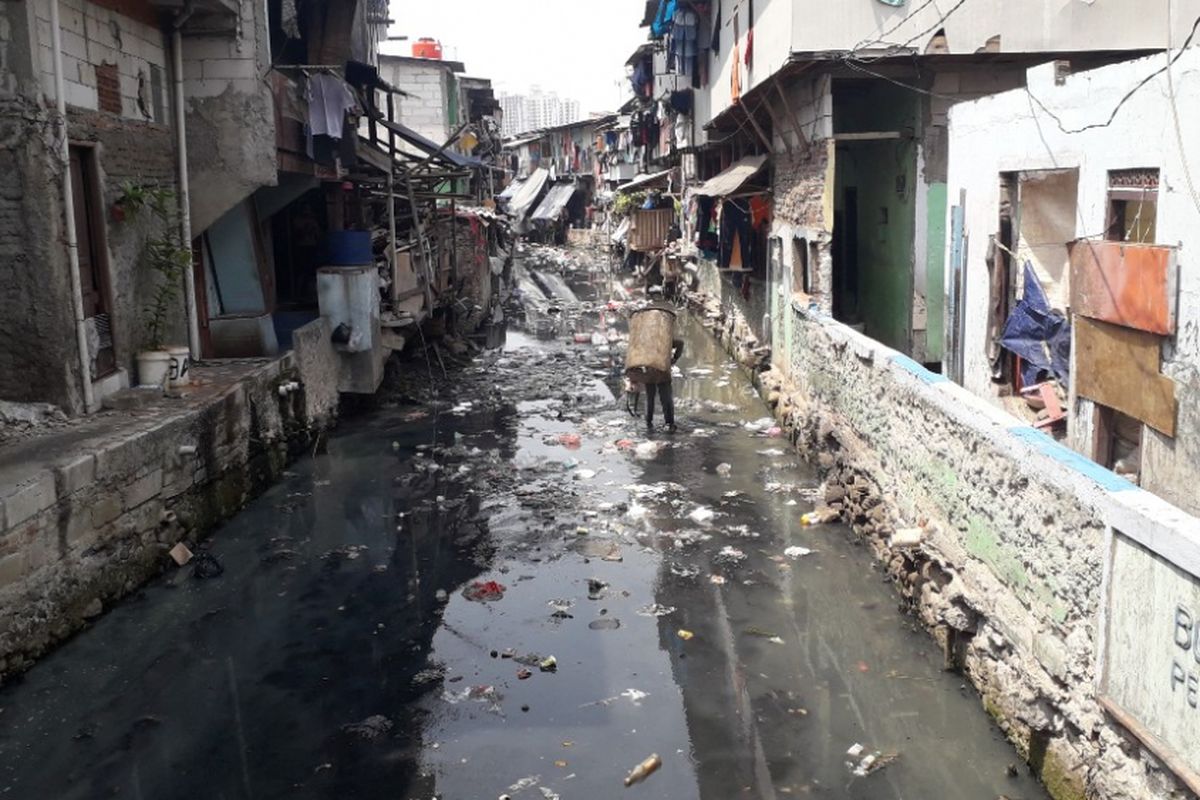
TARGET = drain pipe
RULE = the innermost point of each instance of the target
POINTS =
(185, 211)
(68, 191)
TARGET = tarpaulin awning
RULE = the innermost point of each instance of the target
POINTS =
(653, 181)
(528, 194)
(429, 147)
(554, 202)
(733, 179)
(511, 189)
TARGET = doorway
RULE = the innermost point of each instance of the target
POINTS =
(94, 279)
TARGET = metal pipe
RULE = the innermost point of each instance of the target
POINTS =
(185, 212)
(68, 191)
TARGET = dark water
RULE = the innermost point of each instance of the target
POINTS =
(337, 657)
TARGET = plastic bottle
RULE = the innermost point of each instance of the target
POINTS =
(643, 770)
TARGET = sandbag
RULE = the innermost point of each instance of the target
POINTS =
(648, 358)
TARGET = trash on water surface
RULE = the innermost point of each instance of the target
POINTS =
(718, 580)
(772, 452)
(571, 441)
(485, 694)
(180, 554)
(205, 565)
(647, 450)
(548, 664)
(655, 610)
(687, 636)
(819, 516)
(484, 591)
(730, 553)
(724, 469)
(372, 727)
(643, 770)
(702, 514)
(605, 624)
(862, 763)
(759, 425)
(797, 552)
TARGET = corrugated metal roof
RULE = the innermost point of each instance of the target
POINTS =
(646, 181)
(733, 179)
(528, 194)
(430, 147)
(555, 201)
(511, 189)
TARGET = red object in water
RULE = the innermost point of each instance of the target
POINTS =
(625, 444)
(571, 441)
(427, 47)
(484, 591)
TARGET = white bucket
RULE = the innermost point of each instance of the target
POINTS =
(179, 370)
(152, 367)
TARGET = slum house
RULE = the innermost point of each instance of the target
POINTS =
(1093, 222)
(855, 140)
(132, 79)
(1072, 219)
(774, 78)
(264, 259)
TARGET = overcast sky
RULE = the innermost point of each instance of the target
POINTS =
(576, 49)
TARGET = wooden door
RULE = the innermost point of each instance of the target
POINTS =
(93, 263)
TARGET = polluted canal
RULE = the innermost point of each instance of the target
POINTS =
(499, 584)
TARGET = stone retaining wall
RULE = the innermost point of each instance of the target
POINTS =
(1005, 533)
(92, 524)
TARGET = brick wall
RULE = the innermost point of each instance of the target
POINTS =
(141, 153)
(94, 36)
(38, 360)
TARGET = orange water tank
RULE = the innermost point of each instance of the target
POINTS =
(427, 47)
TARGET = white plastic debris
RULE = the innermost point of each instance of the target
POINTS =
(724, 469)
(655, 610)
(796, 551)
(635, 696)
(907, 537)
(856, 750)
(646, 450)
(702, 515)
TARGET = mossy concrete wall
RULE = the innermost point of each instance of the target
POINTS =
(1008, 572)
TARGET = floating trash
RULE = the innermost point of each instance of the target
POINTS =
(655, 610)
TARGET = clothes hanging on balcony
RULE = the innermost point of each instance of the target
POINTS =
(328, 101)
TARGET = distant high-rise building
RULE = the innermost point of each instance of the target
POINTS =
(536, 110)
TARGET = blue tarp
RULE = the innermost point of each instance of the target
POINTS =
(663, 19)
(1038, 334)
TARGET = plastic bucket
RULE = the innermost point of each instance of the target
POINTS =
(152, 367)
(179, 367)
(348, 249)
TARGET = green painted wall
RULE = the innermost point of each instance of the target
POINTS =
(935, 266)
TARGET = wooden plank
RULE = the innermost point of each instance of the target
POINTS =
(871, 136)
(1126, 284)
(1119, 367)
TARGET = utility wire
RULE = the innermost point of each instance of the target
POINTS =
(1128, 95)
(883, 36)
(932, 28)
(1187, 171)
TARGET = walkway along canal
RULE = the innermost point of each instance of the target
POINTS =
(386, 616)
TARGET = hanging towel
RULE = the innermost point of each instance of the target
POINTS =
(328, 101)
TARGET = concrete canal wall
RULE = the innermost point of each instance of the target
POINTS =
(88, 515)
(1064, 593)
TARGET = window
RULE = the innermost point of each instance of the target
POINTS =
(1118, 443)
(1132, 206)
(801, 275)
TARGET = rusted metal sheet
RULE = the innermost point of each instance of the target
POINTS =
(1125, 284)
(1119, 367)
(650, 229)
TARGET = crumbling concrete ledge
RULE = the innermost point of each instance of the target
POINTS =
(1002, 536)
(88, 516)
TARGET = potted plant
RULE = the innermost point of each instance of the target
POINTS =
(165, 254)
